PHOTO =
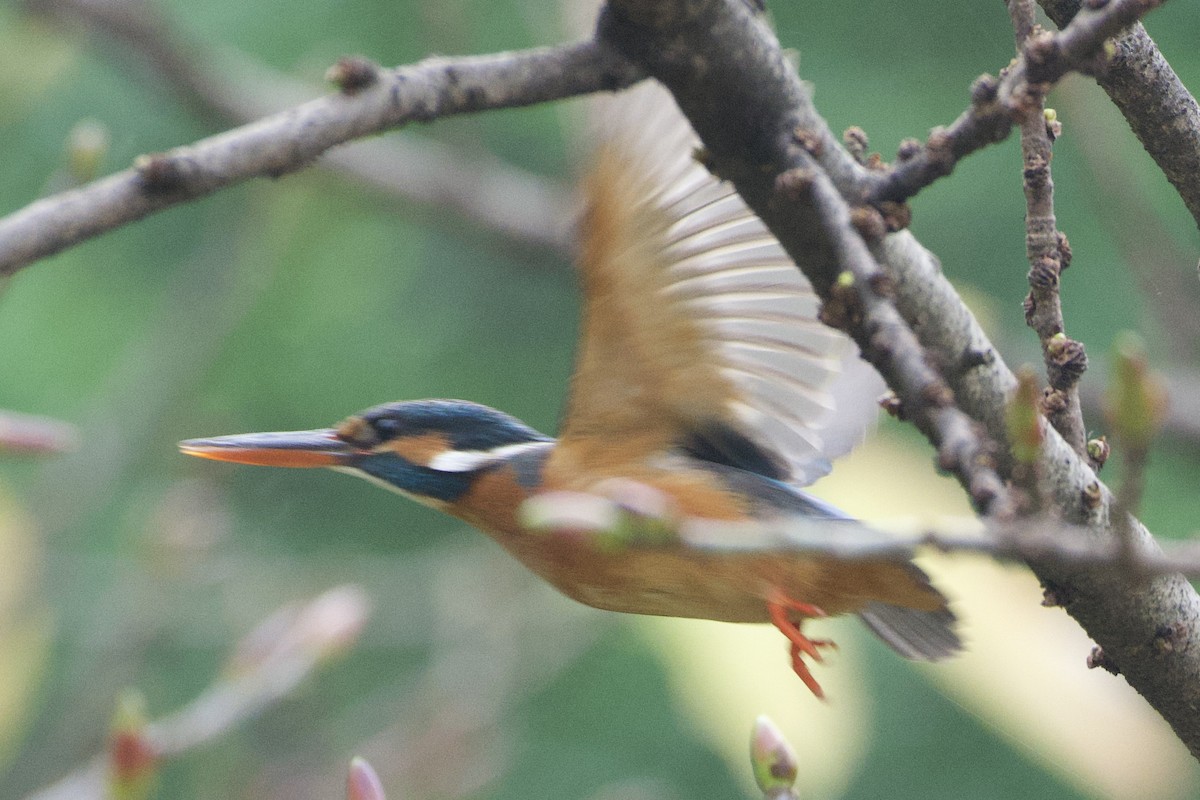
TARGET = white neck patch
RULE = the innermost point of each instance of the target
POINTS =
(471, 460)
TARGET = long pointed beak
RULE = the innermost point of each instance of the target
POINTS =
(319, 448)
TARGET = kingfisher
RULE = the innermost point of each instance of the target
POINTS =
(702, 372)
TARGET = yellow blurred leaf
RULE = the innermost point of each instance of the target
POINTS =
(25, 626)
(32, 57)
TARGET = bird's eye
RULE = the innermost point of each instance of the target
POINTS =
(358, 432)
(386, 428)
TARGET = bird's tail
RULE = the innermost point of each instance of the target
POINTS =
(919, 635)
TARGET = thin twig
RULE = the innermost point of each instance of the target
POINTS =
(1049, 254)
(1031, 540)
(286, 142)
(610, 521)
(479, 671)
(997, 104)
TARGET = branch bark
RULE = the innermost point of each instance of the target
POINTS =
(731, 80)
(1049, 255)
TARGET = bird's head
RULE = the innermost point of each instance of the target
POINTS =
(429, 450)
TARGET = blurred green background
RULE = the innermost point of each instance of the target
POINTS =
(290, 304)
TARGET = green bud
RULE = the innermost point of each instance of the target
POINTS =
(1024, 419)
(1098, 450)
(1136, 401)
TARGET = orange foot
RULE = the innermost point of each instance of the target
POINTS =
(781, 607)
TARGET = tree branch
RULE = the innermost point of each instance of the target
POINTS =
(228, 88)
(731, 80)
(286, 142)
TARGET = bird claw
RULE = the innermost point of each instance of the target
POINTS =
(780, 607)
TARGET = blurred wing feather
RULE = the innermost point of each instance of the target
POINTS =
(693, 314)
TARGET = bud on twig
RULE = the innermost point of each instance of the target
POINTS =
(773, 760)
(352, 74)
(1098, 450)
(362, 783)
(132, 757)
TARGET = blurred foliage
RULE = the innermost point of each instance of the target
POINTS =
(290, 304)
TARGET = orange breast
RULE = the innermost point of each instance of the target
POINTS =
(671, 580)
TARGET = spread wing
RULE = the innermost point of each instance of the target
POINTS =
(698, 331)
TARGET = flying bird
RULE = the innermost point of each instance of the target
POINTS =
(702, 373)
